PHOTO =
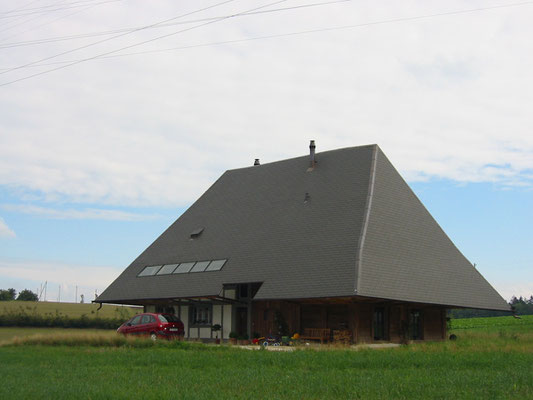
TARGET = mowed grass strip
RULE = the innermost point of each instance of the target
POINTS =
(209, 372)
(69, 309)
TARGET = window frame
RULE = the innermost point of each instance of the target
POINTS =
(196, 310)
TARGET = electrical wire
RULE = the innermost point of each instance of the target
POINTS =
(103, 33)
(297, 33)
(49, 6)
(21, 7)
(47, 10)
(49, 22)
(117, 36)
(13, 23)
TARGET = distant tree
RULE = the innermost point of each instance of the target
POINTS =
(521, 306)
(27, 295)
(7, 295)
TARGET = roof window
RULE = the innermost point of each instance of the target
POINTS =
(216, 265)
(167, 269)
(184, 268)
(150, 270)
(200, 266)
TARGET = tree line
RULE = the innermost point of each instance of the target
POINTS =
(520, 305)
(11, 294)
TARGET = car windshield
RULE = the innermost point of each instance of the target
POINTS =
(168, 318)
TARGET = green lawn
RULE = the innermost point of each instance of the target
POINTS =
(224, 373)
(480, 364)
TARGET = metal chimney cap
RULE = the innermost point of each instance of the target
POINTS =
(256, 162)
(312, 144)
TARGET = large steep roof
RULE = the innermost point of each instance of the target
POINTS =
(350, 226)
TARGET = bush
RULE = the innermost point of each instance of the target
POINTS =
(27, 295)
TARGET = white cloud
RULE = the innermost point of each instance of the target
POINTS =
(5, 231)
(446, 97)
(90, 213)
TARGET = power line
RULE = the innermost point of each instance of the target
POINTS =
(22, 7)
(49, 6)
(297, 33)
(117, 36)
(68, 6)
(50, 22)
(14, 23)
(103, 33)
(138, 44)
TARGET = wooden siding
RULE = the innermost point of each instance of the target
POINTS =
(354, 316)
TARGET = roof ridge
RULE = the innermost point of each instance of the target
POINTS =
(303, 156)
(366, 217)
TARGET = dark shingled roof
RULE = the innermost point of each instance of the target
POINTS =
(351, 226)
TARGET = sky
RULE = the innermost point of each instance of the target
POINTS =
(116, 115)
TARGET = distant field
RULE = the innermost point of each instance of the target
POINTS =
(69, 309)
(494, 324)
(9, 333)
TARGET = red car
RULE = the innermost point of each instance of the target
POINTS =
(155, 325)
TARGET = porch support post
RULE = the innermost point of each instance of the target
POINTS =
(222, 315)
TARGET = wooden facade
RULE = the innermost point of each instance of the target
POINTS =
(365, 321)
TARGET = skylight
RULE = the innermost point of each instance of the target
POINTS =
(184, 268)
(200, 266)
(167, 269)
(150, 270)
(216, 265)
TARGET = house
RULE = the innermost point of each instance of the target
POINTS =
(334, 241)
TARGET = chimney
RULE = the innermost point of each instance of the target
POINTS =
(312, 148)
(256, 162)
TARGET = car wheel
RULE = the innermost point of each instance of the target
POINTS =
(153, 336)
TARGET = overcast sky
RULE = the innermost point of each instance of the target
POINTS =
(116, 115)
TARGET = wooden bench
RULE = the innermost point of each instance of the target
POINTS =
(322, 334)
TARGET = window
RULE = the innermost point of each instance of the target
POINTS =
(147, 319)
(184, 268)
(379, 323)
(200, 266)
(200, 315)
(168, 318)
(415, 325)
(149, 271)
(136, 320)
(216, 265)
(167, 269)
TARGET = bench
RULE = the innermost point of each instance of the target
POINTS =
(322, 334)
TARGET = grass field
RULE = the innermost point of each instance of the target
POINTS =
(493, 324)
(69, 309)
(480, 364)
